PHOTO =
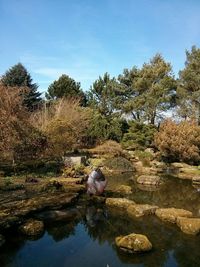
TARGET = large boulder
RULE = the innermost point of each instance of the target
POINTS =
(139, 210)
(171, 214)
(149, 180)
(120, 203)
(2, 240)
(32, 228)
(133, 243)
(189, 226)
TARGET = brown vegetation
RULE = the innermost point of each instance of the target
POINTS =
(179, 141)
(18, 138)
(64, 123)
(109, 147)
(13, 119)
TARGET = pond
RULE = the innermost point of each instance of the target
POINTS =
(89, 239)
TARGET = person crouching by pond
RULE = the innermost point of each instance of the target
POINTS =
(96, 182)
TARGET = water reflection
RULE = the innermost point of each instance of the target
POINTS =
(88, 239)
(173, 192)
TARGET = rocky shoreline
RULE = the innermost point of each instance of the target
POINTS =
(28, 203)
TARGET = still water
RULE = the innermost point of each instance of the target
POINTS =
(88, 241)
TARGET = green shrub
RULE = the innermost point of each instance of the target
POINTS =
(144, 156)
(139, 136)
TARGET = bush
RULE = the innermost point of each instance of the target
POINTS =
(179, 141)
(139, 136)
(65, 124)
(31, 146)
(109, 147)
(104, 128)
(144, 156)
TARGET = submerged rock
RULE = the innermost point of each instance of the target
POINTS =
(133, 243)
(189, 226)
(121, 203)
(149, 188)
(149, 180)
(32, 228)
(124, 189)
(171, 214)
(2, 240)
(139, 210)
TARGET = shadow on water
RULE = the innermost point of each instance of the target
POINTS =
(89, 240)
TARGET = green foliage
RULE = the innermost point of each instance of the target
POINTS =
(65, 87)
(139, 136)
(118, 164)
(18, 76)
(144, 156)
(102, 128)
(149, 91)
(179, 142)
(188, 92)
(104, 98)
(104, 95)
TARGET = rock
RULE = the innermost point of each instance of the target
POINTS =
(2, 240)
(149, 180)
(124, 189)
(189, 226)
(75, 160)
(150, 188)
(178, 165)
(139, 210)
(133, 243)
(121, 203)
(171, 214)
(196, 180)
(32, 228)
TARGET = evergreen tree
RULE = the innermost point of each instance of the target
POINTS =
(150, 90)
(104, 98)
(103, 95)
(188, 92)
(19, 76)
(65, 87)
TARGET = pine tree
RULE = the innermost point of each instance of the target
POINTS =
(18, 76)
(65, 87)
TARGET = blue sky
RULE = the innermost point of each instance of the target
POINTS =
(86, 38)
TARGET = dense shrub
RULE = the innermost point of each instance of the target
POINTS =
(18, 138)
(179, 141)
(110, 148)
(65, 124)
(103, 128)
(32, 145)
(139, 136)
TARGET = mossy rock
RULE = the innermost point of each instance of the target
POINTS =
(32, 228)
(119, 164)
(133, 243)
